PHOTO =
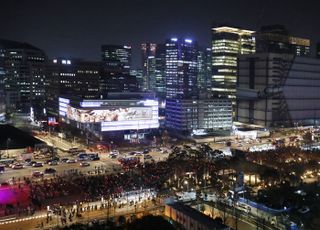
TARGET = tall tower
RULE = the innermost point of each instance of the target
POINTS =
(277, 39)
(227, 44)
(181, 69)
(23, 69)
(116, 58)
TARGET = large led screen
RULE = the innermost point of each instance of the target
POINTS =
(119, 114)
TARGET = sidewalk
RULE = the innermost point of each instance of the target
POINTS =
(39, 221)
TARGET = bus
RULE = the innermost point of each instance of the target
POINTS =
(7, 161)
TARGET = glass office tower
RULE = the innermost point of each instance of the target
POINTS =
(227, 44)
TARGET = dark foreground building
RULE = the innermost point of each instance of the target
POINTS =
(278, 90)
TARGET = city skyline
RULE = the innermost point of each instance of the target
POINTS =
(80, 30)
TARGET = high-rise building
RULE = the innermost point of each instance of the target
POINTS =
(204, 71)
(227, 44)
(181, 68)
(148, 51)
(117, 82)
(154, 62)
(2, 84)
(278, 90)
(71, 77)
(188, 111)
(276, 39)
(116, 58)
(116, 66)
(23, 73)
(138, 74)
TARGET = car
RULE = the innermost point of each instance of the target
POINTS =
(138, 154)
(37, 164)
(115, 152)
(146, 151)
(147, 156)
(82, 158)
(113, 156)
(50, 171)
(53, 163)
(17, 166)
(95, 158)
(132, 153)
(37, 174)
(84, 164)
(71, 161)
(55, 158)
(30, 163)
(64, 160)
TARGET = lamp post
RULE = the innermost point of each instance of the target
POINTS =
(187, 184)
(8, 142)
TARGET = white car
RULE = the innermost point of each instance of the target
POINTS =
(115, 152)
(17, 166)
(71, 161)
(84, 164)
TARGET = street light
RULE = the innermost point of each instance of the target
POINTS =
(187, 184)
(8, 141)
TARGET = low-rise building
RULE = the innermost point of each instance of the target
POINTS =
(191, 219)
(126, 115)
(198, 117)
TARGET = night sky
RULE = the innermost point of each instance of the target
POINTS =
(77, 28)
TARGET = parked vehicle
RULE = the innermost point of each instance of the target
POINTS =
(17, 166)
(53, 163)
(84, 164)
(37, 174)
(50, 171)
(37, 164)
(71, 161)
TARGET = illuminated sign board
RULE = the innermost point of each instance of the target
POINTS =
(121, 115)
(107, 115)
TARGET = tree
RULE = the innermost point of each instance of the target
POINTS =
(150, 222)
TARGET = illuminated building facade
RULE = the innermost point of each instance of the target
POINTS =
(276, 39)
(278, 90)
(138, 74)
(199, 117)
(121, 115)
(116, 58)
(115, 72)
(2, 84)
(148, 51)
(227, 44)
(71, 77)
(117, 82)
(181, 68)
(23, 73)
(154, 63)
(204, 72)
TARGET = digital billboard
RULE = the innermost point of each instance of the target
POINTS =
(108, 115)
(113, 115)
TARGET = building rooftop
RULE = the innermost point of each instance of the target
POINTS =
(196, 215)
(228, 29)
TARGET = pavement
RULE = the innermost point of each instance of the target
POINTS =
(39, 220)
